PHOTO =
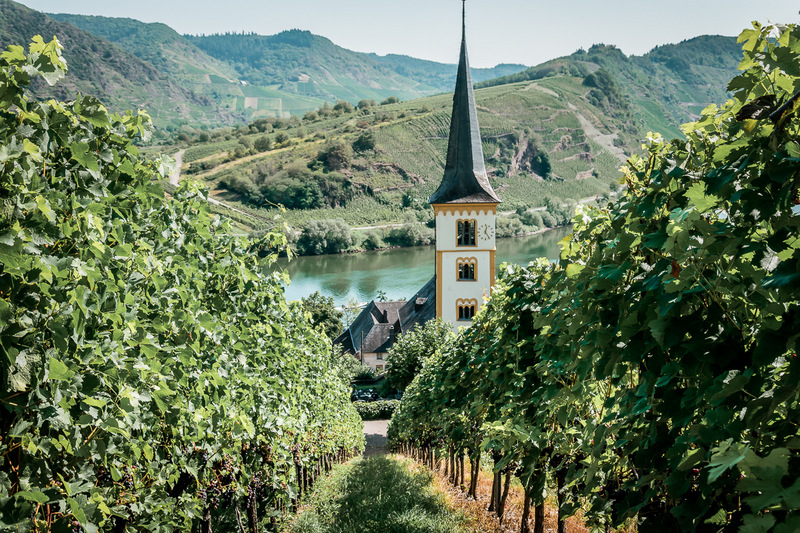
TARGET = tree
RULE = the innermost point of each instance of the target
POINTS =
(324, 315)
(343, 106)
(391, 100)
(263, 143)
(324, 237)
(410, 234)
(365, 142)
(336, 154)
(409, 352)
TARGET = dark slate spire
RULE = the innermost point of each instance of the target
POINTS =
(465, 179)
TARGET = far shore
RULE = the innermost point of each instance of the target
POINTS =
(353, 251)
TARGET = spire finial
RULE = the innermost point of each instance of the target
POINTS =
(463, 19)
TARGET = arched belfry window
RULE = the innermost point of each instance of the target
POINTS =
(466, 308)
(466, 230)
(466, 268)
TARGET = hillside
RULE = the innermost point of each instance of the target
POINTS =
(303, 63)
(442, 76)
(555, 137)
(379, 165)
(121, 79)
(666, 87)
(187, 65)
(250, 76)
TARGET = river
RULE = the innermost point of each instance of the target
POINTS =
(399, 273)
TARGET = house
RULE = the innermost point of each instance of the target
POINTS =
(375, 329)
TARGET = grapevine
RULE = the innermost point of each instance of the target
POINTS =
(651, 374)
(154, 378)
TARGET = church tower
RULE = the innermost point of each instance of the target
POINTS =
(465, 207)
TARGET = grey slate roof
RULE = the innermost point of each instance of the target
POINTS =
(465, 179)
(374, 330)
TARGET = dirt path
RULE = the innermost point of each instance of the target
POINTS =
(375, 434)
(380, 226)
(175, 177)
(260, 155)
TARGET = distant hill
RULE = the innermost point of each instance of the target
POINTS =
(121, 79)
(665, 87)
(252, 76)
(215, 80)
(301, 62)
(442, 76)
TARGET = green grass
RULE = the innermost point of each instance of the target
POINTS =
(378, 494)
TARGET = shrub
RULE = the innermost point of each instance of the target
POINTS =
(336, 155)
(413, 234)
(324, 237)
(549, 220)
(380, 410)
(532, 219)
(372, 241)
(509, 227)
(365, 142)
(342, 106)
(263, 143)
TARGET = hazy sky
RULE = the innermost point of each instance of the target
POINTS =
(498, 31)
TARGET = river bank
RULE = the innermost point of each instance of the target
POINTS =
(398, 272)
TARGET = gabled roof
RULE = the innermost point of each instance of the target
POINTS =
(374, 330)
(465, 179)
(420, 308)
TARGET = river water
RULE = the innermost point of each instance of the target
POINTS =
(400, 272)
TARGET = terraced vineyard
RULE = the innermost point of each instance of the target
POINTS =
(410, 142)
(548, 140)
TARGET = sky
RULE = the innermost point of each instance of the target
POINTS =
(498, 31)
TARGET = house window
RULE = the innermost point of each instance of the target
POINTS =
(466, 230)
(466, 268)
(379, 368)
(466, 308)
(379, 355)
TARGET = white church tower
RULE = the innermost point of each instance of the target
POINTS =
(465, 207)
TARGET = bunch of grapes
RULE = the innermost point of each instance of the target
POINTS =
(76, 527)
(226, 464)
(212, 494)
(226, 502)
(103, 476)
(127, 478)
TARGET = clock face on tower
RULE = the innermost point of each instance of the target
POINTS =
(486, 232)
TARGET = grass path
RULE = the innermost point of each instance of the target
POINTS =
(379, 493)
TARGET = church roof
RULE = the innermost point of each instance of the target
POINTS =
(465, 179)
